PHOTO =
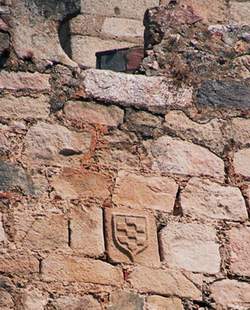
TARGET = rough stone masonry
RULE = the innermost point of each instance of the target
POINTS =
(122, 191)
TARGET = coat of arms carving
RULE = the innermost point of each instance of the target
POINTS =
(130, 234)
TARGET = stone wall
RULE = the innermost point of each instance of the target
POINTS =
(122, 191)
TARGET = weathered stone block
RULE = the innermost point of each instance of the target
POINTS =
(24, 107)
(19, 263)
(49, 232)
(131, 236)
(151, 93)
(130, 9)
(86, 226)
(47, 143)
(240, 131)
(231, 294)
(155, 302)
(240, 250)
(224, 94)
(123, 28)
(241, 162)
(181, 157)
(6, 300)
(65, 268)
(123, 300)
(166, 282)
(85, 47)
(24, 80)
(76, 302)
(208, 134)
(14, 178)
(205, 199)
(32, 298)
(192, 247)
(150, 192)
(110, 116)
(80, 184)
(2, 232)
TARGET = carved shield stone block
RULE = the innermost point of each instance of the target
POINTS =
(131, 236)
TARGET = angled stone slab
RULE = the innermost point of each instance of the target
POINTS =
(155, 94)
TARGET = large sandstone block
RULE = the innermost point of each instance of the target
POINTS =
(241, 162)
(24, 80)
(151, 93)
(231, 294)
(65, 268)
(208, 134)
(166, 282)
(191, 247)
(110, 116)
(150, 192)
(47, 143)
(86, 227)
(131, 9)
(131, 236)
(24, 107)
(180, 157)
(239, 238)
(203, 198)
(80, 184)
(85, 47)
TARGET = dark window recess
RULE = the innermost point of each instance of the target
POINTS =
(120, 60)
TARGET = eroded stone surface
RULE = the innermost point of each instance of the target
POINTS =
(231, 294)
(155, 302)
(150, 192)
(24, 80)
(241, 162)
(207, 134)
(76, 303)
(35, 29)
(60, 142)
(165, 282)
(203, 198)
(79, 184)
(232, 94)
(240, 250)
(151, 93)
(24, 107)
(131, 236)
(181, 157)
(86, 226)
(123, 300)
(79, 269)
(192, 247)
(92, 113)
(15, 178)
(33, 298)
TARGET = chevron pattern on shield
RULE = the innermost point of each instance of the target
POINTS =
(130, 234)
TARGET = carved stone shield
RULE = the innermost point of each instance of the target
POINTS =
(130, 234)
